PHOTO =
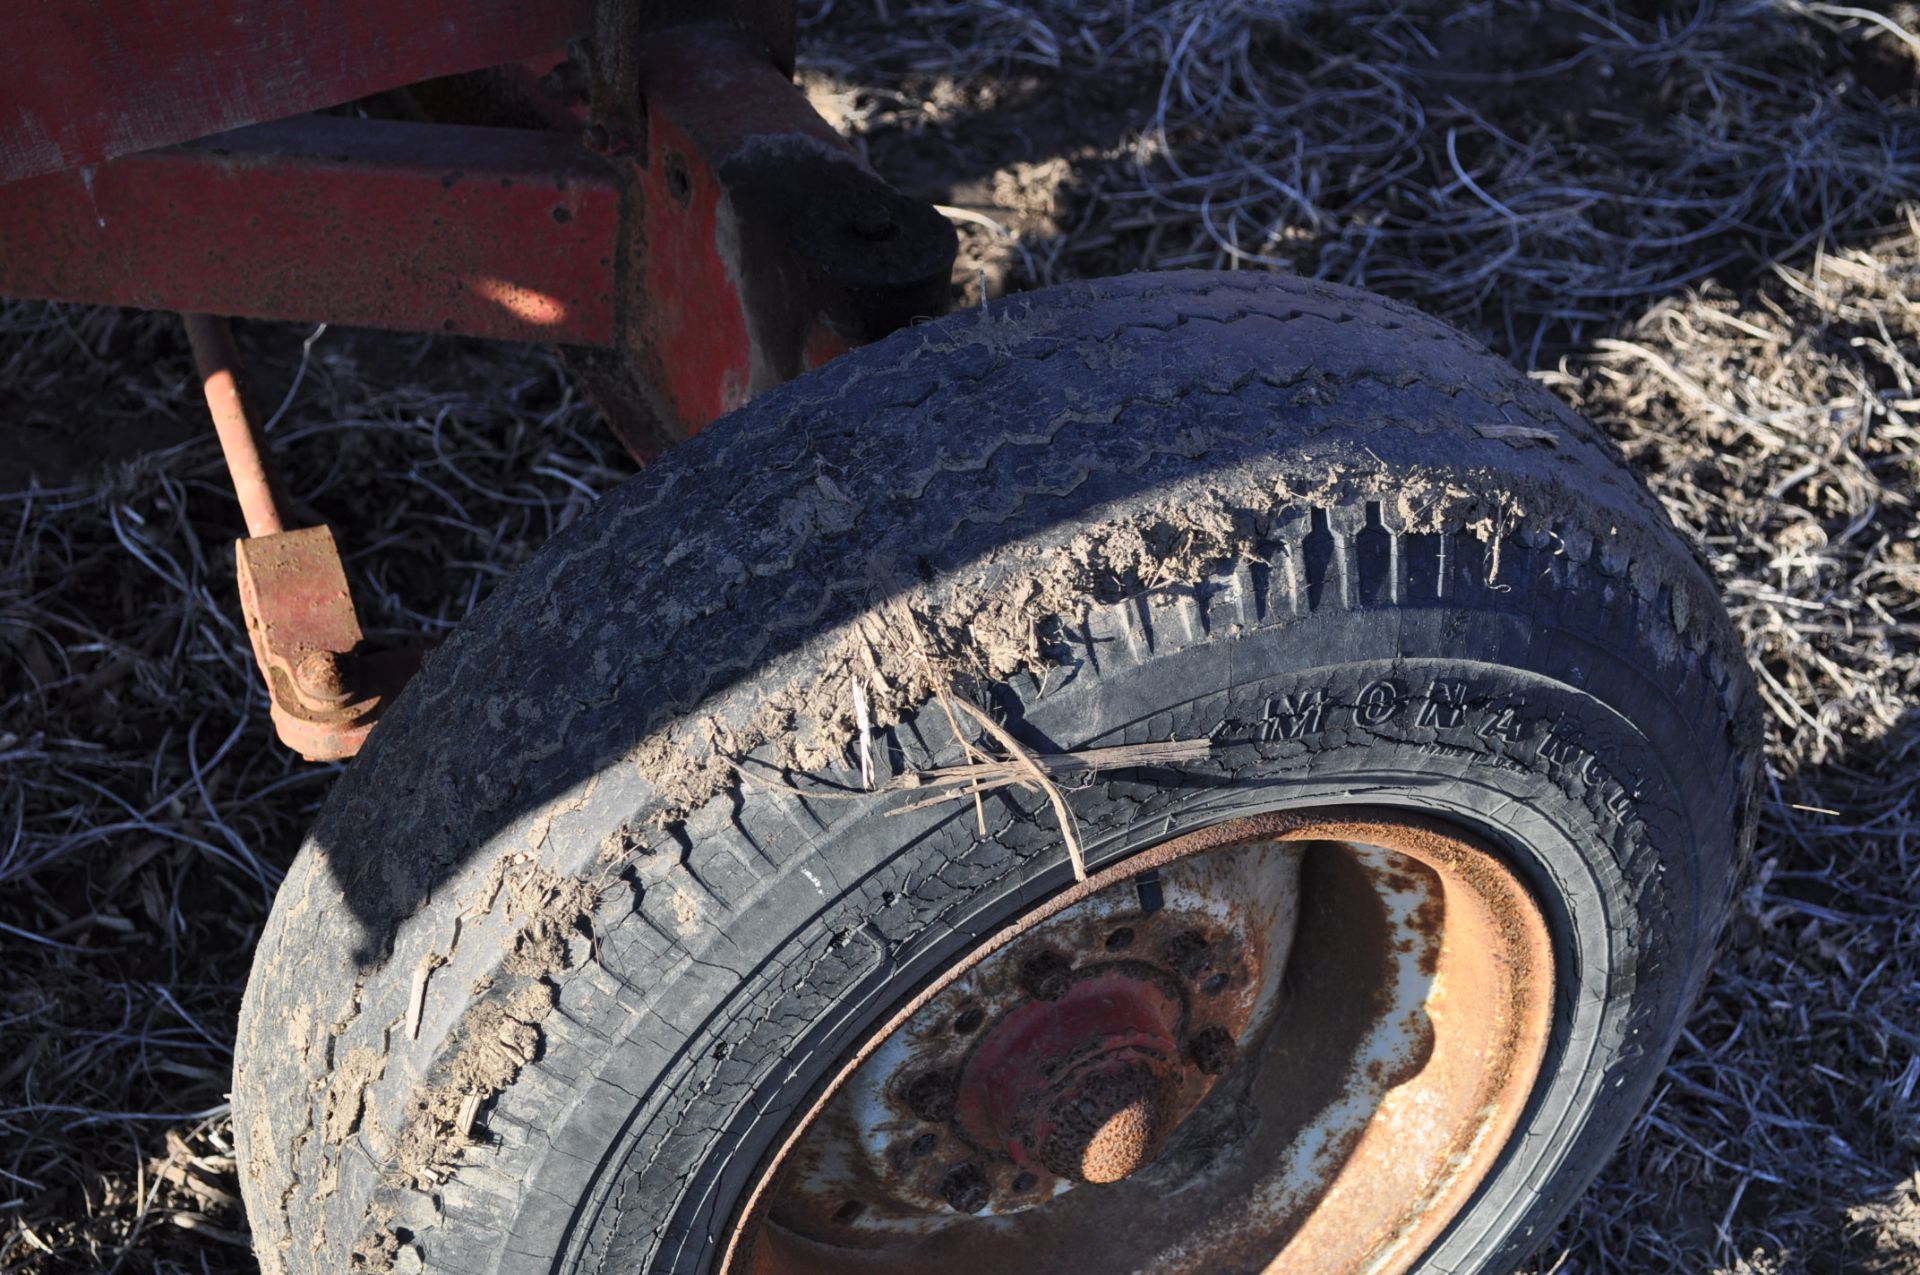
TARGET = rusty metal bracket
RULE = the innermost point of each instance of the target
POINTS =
(325, 692)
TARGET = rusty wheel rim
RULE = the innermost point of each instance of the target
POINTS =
(1295, 1042)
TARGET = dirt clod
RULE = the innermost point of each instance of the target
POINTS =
(346, 1092)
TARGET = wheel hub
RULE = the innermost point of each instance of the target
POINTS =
(1065, 1060)
(1124, 1080)
(1086, 1087)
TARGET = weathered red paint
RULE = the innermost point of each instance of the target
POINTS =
(744, 263)
(1107, 1048)
(709, 99)
(823, 345)
(427, 227)
(83, 81)
(691, 332)
(218, 362)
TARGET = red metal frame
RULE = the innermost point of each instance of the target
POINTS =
(704, 237)
(658, 200)
(761, 244)
(483, 231)
(83, 81)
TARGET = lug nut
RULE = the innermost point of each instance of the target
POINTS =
(1188, 953)
(930, 1096)
(1046, 975)
(965, 1188)
(1212, 1050)
(317, 678)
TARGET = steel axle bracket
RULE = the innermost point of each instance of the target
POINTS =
(326, 693)
(756, 244)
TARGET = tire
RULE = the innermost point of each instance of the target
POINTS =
(568, 949)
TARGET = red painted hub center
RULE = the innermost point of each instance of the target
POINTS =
(1085, 1086)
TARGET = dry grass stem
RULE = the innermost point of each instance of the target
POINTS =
(1025, 760)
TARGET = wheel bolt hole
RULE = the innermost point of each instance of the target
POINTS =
(1045, 975)
(848, 1212)
(1120, 939)
(923, 1145)
(930, 1096)
(679, 181)
(1188, 953)
(1215, 985)
(968, 1020)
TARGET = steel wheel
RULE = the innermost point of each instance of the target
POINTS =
(1282, 1043)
